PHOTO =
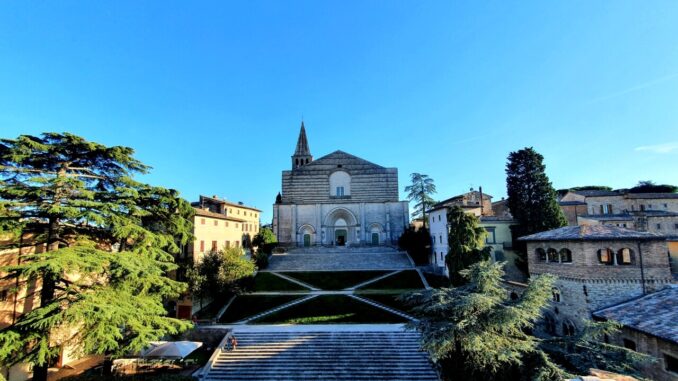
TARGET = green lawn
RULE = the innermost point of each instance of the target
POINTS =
(405, 280)
(389, 300)
(335, 280)
(247, 305)
(331, 309)
(209, 311)
(269, 282)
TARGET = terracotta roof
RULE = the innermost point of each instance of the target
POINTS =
(591, 233)
(207, 213)
(220, 201)
(655, 314)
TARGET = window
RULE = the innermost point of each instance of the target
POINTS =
(550, 324)
(659, 226)
(586, 290)
(624, 256)
(236, 225)
(4, 295)
(605, 256)
(216, 223)
(552, 254)
(609, 208)
(228, 244)
(340, 183)
(642, 207)
(675, 226)
(490, 238)
(629, 344)
(226, 223)
(340, 191)
(441, 238)
(602, 210)
(202, 221)
(439, 218)
(237, 243)
(202, 246)
(214, 245)
(556, 294)
(541, 254)
(565, 256)
(671, 363)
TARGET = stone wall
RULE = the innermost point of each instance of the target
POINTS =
(653, 346)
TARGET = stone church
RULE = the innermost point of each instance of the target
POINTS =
(337, 200)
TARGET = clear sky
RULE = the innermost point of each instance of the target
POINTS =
(211, 94)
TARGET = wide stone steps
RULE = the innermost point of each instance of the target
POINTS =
(346, 354)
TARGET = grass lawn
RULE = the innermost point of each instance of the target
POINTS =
(335, 280)
(331, 309)
(270, 282)
(210, 310)
(247, 305)
(389, 300)
(405, 280)
(437, 281)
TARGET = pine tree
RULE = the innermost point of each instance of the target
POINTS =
(475, 332)
(420, 192)
(467, 243)
(108, 245)
(531, 199)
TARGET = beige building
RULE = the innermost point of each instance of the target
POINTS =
(218, 224)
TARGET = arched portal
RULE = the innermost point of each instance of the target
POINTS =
(341, 228)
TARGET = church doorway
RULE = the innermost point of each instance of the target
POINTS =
(375, 238)
(340, 236)
(307, 240)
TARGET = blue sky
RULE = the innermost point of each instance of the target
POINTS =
(211, 94)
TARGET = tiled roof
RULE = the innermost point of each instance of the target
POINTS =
(655, 314)
(568, 203)
(653, 195)
(591, 233)
(596, 193)
(207, 213)
(608, 217)
(220, 201)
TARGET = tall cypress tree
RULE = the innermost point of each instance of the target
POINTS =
(467, 243)
(108, 245)
(531, 199)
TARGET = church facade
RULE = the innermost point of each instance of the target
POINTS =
(337, 200)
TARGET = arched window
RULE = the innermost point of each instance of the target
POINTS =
(625, 256)
(568, 328)
(550, 324)
(556, 294)
(340, 184)
(307, 161)
(552, 254)
(565, 256)
(606, 256)
(541, 254)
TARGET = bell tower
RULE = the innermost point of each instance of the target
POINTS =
(302, 154)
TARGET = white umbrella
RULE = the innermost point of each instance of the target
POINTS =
(174, 349)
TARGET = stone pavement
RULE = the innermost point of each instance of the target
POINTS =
(343, 259)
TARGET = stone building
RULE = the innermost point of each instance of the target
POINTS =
(651, 212)
(649, 325)
(337, 200)
(597, 266)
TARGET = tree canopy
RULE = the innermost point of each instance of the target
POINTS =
(105, 244)
(420, 192)
(477, 332)
(649, 186)
(466, 239)
(531, 198)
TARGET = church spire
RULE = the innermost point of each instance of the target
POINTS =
(302, 154)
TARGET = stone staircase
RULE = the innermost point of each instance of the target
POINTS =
(340, 259)
(322, 352)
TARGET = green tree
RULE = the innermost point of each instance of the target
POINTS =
(531, 199)
(420, 192)
(220, 273)
(417, 243)
(265, 240)
(109, 243)
(467, 243)
(477, 332)
(650, 187)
